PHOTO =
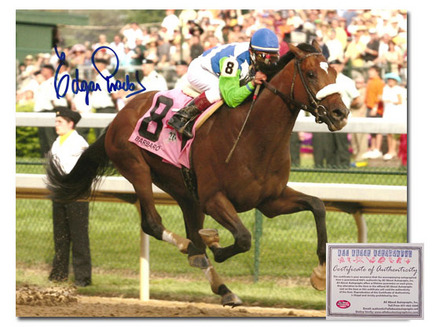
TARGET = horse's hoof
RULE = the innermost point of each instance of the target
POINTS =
(210, 237)
(199, 261)
(318, 277)
(231, 299)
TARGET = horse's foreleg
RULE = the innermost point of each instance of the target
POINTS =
(292, 201)
(219, 287)
(222, 210)
(194, 219)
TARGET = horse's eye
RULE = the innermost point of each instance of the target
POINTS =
(310, 74)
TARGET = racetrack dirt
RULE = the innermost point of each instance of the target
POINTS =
(63, 302)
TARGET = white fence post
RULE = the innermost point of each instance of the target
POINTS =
(144, 267)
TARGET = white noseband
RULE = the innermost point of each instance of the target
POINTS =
(328, 90)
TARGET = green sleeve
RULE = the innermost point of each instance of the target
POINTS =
(229, 85)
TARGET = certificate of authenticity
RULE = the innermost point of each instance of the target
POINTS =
(374, 281)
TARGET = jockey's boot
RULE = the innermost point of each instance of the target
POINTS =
(182, 119)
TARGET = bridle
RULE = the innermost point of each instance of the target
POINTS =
(315, 108)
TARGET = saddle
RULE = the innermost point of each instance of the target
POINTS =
(153, 134)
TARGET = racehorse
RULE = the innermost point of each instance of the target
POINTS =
(256, 175)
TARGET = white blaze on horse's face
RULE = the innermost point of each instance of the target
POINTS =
(330, 88)
(324, 66)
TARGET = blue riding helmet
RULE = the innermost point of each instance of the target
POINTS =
(264, 40)
(264, 46)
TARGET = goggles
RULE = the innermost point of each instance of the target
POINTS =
(266, 58)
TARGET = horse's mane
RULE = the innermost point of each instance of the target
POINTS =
(285, 59)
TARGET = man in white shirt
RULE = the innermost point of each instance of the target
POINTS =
(44, 98)
(70, 220)
(118, 47)
(181, 70)
(102, 100)
(171, 22)
(336, 51)
(44, 94)
(152, 81)
(66, 98)
(132, 32)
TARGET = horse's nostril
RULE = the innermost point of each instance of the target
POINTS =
(339, 113)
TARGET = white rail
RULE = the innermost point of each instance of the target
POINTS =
(303, 124)
(359, 193)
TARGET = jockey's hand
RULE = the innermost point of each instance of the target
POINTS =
(258, 78)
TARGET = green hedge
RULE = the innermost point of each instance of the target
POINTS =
(27, 139)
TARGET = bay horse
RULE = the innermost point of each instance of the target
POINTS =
(256, 175)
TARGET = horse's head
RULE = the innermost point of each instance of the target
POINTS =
(314, 85)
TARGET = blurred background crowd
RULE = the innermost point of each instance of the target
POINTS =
(158, 53)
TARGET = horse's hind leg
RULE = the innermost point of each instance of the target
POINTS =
(292, 201)
(137, 172)
(194, 218)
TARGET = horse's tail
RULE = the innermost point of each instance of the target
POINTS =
(91, 166)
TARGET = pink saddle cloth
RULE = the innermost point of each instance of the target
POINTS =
(153, 134)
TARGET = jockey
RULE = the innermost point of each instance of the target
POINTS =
(229, 72)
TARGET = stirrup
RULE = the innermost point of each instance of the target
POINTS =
(183, 117)
(186, 129)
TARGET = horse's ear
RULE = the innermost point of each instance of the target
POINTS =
(298, 53)
(316, 45)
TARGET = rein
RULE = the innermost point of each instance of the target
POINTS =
(318, 110)
(228, 158)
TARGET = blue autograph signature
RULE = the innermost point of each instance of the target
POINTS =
(87, 87)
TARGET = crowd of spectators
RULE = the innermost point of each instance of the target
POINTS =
(359, 39)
